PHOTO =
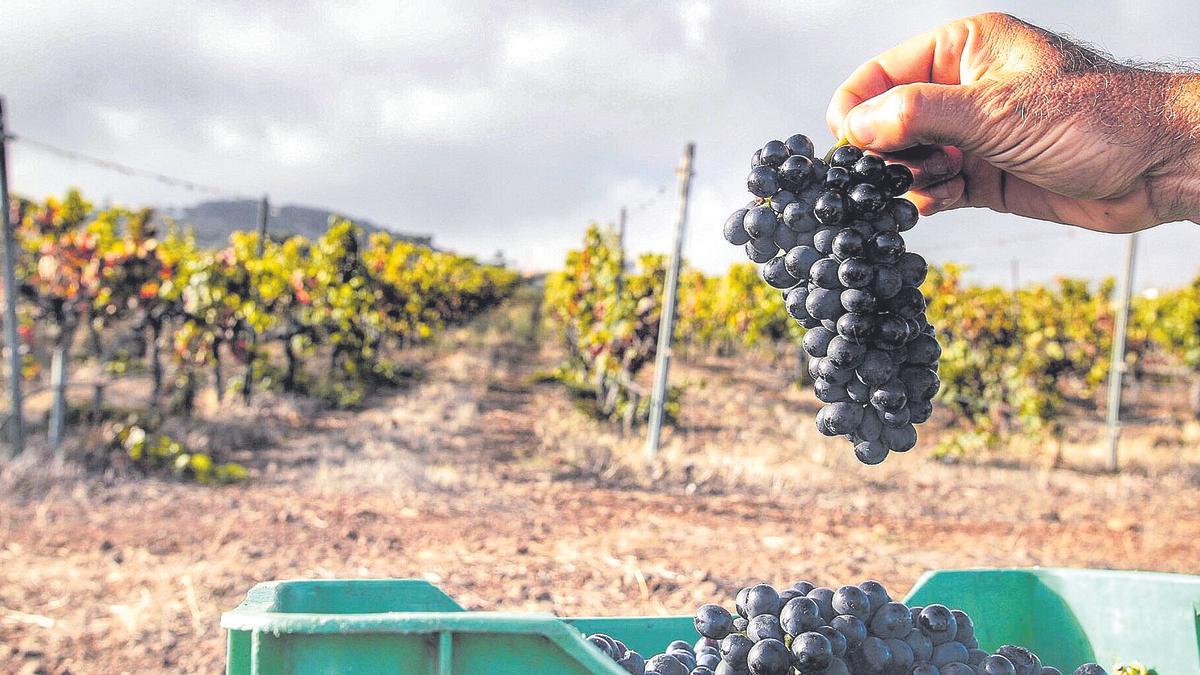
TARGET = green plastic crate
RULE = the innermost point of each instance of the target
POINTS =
(408, 626)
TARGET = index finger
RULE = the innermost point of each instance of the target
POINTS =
(934, 57)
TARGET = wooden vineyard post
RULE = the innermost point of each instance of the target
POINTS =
(666, 325)
(16, 421)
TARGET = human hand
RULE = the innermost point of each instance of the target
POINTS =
(990, 111)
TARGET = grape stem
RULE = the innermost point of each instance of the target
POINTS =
(840, 142)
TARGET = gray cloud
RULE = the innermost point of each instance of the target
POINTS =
(492, 126)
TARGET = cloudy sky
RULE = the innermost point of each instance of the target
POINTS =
(509, 126)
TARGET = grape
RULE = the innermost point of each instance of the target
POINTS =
(725, 669)
(957, 668)
(897, 179)
(845, 156)
(868, 169)
(701, 670)
(920, 383)
(770, 657)
(923, 350)
(843, 353)
(632, 662)
(949, 652)
(823, 303)
(876, 369)
(878, 595)
(842, 417)
(902, 654)
(966, 629)
(765, 627)
(837, 178)
(761, 599)
(870, 429)
(735, 648)
(763, 181)
(776, 275)
(1089, 669)
(684, 656)
(921, 645)
(828, 392)
(833, 373)
(799, 144)
(799, 214)
(803, 586)
(865, 198)
(823, 239)
(1023, 660)
(875, 654)
(824, 598)
(852, 600)
(800, 615)
(740, 623)
(938, 623)
(919, 410)
(812, 652)
(856, 327)
(854, 272)
(756, 160)
(713, 621)
(760, 222)
(848, 243)
(824, 273)
(884, 247)
(913, 268)
(904, 213)
(756, 253)
(605, 644)
(780, 200)
(888, 282)
(996, 664)
(816, 341)
(899, 439)
(1051, 670)
(892, 331)
(891, 621)
(976, 657)
(786, 238)
(739, 601)
(830, 207)
(871, 452)
(666, 664)
(850, 626)
(773, 153)
(858, 301)
(908, 303)
(800, 261)
(895, 418)
(735, 231)
(889, 396)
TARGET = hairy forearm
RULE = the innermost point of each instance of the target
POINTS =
(1178, 179)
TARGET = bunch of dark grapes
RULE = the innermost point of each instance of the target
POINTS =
(828, 236)
(811, 630)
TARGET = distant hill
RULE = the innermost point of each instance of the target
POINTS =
(213, 221)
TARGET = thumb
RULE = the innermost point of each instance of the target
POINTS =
(917, 114)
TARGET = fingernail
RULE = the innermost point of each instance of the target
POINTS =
(861, 130)
(937, 164)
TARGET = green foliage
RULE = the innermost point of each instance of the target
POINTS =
(109, 270)
(610, 335)
(157, 452)
(1011, 362)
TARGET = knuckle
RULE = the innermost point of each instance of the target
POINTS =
(911, 104)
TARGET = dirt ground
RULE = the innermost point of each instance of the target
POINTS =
(499, 490)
